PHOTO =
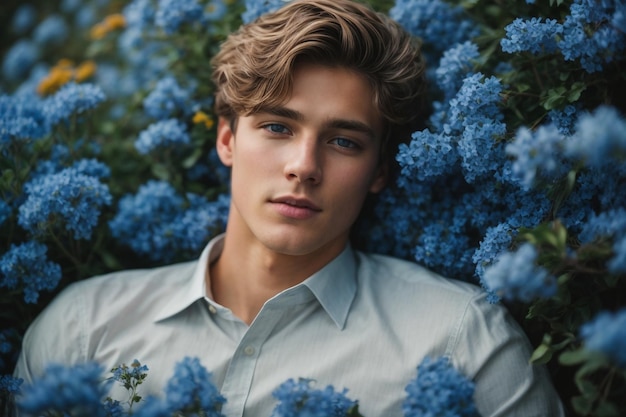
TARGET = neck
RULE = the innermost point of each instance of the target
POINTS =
(244, 277)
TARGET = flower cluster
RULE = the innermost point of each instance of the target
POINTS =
(300, 398)
(516, 183)
(606, 333)
(439, 390)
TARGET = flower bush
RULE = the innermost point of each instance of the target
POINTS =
(517, 182)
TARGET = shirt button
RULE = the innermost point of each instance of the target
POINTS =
(212, 309)
(249, 350)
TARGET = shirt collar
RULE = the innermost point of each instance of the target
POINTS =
(195, 289)
(334, 286)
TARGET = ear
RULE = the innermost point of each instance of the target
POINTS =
(380, 179)
(225, 142)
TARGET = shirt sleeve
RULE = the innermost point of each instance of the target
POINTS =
(494, 351)
(55, 336)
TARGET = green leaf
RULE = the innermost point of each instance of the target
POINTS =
(573, 357)
(582, 405)
(542, 354)
(576, 91)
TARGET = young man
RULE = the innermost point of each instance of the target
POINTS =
(311, 100)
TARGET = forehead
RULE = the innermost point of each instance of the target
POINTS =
(334, 93)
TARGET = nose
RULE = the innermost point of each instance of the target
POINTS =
(304, 164)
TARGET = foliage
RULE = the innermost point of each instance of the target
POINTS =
(523, 161)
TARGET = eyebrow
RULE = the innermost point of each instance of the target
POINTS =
(346, 124)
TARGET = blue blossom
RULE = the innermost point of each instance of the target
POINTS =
(167, 99)
(70, 6)
(532, 35)
(86, 16)
(437, 22)
(606, 333)
(215, 10)
(589, 36)
(21, 117)
(256, 8)
(160, 223)
(10, 384)
(477, 101)
(19, 60)
(600, 136)
(77, 390)
(5, 211)
(170, 133)
(537, 154)
(68, 200)
(439, 390)
(564, 119)
(497, 240)
(51, 31)
(480, 151)
(72, 99)
(136, 371)
(191, 387)
(172, 14)
(139, 14)
(91, 167)
(516, 276)
(454, 66)
(23, 18)
(25, 266)
(300, 398)
(10, 340)
(609, 225)
(428, 155)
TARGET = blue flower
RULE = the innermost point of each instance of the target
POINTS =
(564, 119)
(68, 200)
(256, 8)
(191, 388)
(215, 10)
(456, 63)
(26, 266)
(428, 155)
(170, 133)
(438, 23)
(606, 333)
(480, 151)
(439, 390)
(516, 276)
(10, 384)
(51, 31)
(5, 211)
(496, 241)
(171, 14)
(589, 36)
(19, 60)
(21, 117)
(76, 390)
(600, 136)
(24, 18)
(167, 99)
(531, 35)
(160, 223)
(609, 225)
(300, 398)
(477, 101)
(537, 154)
(72, 99)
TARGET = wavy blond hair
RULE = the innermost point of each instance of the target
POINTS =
(255, 65)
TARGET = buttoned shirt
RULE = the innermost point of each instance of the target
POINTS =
(363, 322)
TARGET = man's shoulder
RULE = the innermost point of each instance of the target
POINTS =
(398, 275)
(126, 283)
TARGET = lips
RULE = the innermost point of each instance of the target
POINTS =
(296, 208)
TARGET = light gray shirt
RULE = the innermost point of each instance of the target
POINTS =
(363, 322)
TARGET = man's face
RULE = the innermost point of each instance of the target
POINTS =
(301, 171)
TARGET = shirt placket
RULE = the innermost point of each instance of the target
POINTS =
(238, 381)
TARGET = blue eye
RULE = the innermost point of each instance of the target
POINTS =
(276, 128)
(345, 143)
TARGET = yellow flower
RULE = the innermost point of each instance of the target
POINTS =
(110, 23)
(58, 76)
(85, 70)
(202, 117)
